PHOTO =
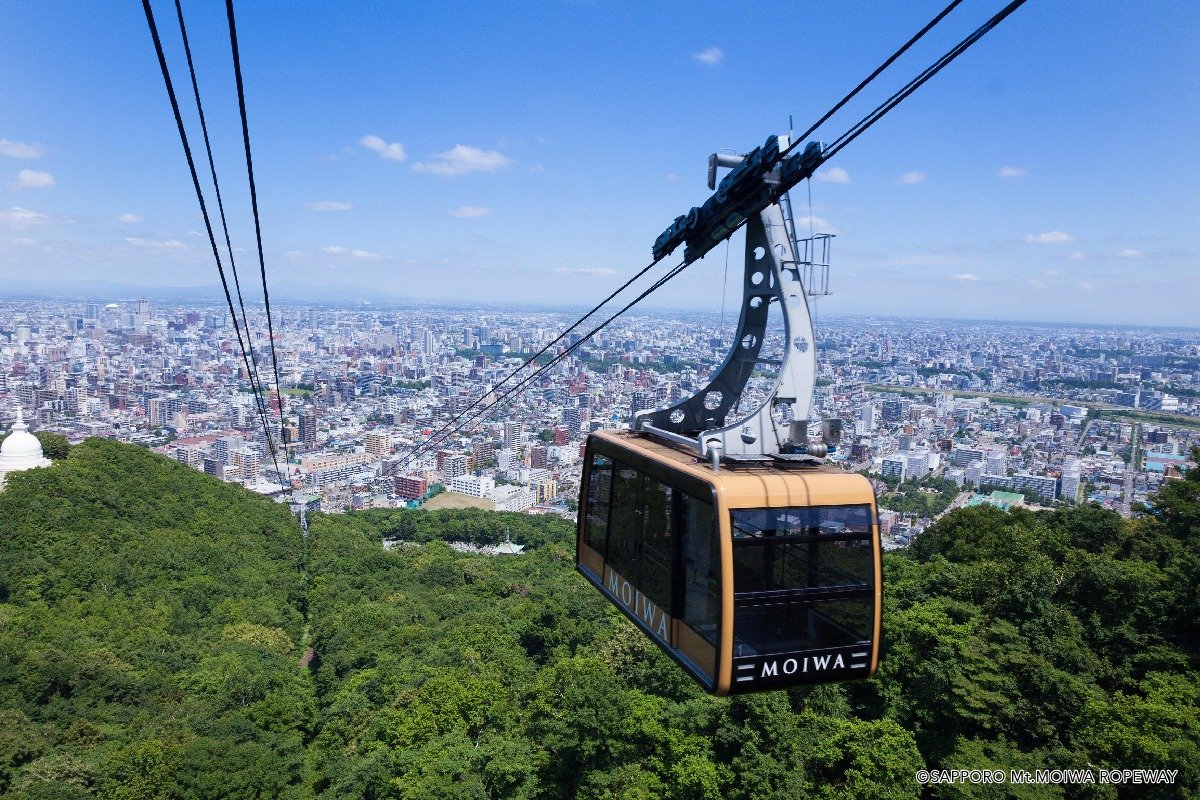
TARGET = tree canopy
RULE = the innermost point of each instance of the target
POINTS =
(156, 626)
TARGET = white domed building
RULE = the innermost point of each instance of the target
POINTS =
(20, 450)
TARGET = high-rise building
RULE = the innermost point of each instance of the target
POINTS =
(1071, 475)
(513, 432)
(308, 429)
(379, 443)
(410, 487)
(641, 401)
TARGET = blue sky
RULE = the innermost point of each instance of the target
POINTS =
(511, 152)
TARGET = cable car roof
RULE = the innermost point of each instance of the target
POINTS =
(750, 485)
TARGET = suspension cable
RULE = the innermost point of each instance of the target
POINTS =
(433, 442)
(255, 381)
(883, 108)
(854, 132)
(903, 49)
(540, 353)
(187, 150)
(262, 265)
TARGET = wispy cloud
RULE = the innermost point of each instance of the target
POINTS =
(602, 272)
(834, 175)
(1078, 255)
(21, 149)
(1035, 283)
(1011, 172)
(338, 250)
(816, 224)
(129, 218)
(712, 56)
(23, 241)
(393, 151)
(470, 212)
(1129, 252)
(965, 276)
(329, 205)
(31, 179)
(461, 159)
(1087, 287)
(162, 244)
(911, 178)
(1049, 237)
(18, 217)
(672, 177)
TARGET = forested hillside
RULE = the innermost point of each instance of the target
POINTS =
(152, 624)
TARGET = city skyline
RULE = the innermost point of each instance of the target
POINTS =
(1040, 177)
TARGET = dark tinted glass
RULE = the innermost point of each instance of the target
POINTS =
(654, 568)
(701, 569)
(599, 495)
(803, 578)
(625, 527)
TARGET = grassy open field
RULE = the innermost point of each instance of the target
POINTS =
(455, 500)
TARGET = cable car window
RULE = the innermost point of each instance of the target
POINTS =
(599, 490)
(701, 569)
(802, 548)
(625, 528)
(654, 575)
(789, 522)
(803, 578)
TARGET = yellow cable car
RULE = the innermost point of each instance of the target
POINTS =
(753, 577)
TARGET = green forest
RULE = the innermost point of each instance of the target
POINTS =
(164, 635)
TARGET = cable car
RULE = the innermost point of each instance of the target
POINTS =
(754, 577)
(723, 534)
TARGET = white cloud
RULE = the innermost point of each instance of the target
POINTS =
(129, 218)
(462, 159)
(672, 177)
(1087, 287)
(816, 224)
(965, 276)
(602, 272)
(31, 179)
(1050, 237)
(1078, 255)
(393, 151)
(21, 150)
(20, 217)
(338, 250)
(329, 205)
(23, 241)
(470, 212)
(162, 244)
(1011, 172)
(712, 56)
(911, 178)
(1129, 252)
(1051, 273)
(1035, 283)
(834, 175)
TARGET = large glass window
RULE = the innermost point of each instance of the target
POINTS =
(599, 494)
(803, 578)
(701, 569)
(654, 573)
(625, 527)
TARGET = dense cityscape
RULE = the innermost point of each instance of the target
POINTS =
(939, 413)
